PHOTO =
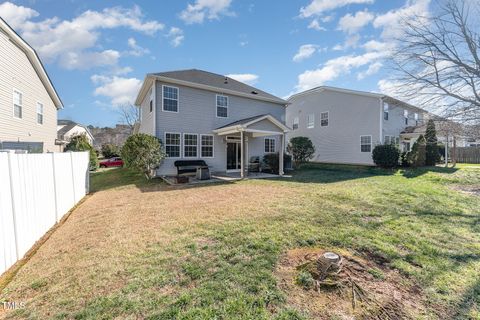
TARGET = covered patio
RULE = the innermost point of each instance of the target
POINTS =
(245, 131)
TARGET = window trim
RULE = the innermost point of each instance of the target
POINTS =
(180, 145)
(178, 99)
(213, 145)
(313, 122)
(184, 145)
(405, 116)
(216, 105)
(296, 121)
(386, 111)
(274, 145)
(371, 143)
(43, 113)
(328, 118)
(13, 104)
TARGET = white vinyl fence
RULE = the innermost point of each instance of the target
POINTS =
(36, 191)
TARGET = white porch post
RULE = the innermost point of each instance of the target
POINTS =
(242, 161)
(246, 154)
(280, 154)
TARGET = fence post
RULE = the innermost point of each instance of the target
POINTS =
(55, 187)
(73, 178)
(15, 229)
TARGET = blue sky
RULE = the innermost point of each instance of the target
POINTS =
(98, 52)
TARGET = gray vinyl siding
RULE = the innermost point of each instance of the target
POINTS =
(16, 72)
(147, 117)
(349, 117)
(197, 114)
(396, 120)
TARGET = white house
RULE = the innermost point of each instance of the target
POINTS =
(67, 129)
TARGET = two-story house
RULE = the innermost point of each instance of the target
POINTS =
(67, 129)
(345, 125)
(203, 115)
(28, 100)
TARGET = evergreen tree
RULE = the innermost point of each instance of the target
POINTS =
(431, 148)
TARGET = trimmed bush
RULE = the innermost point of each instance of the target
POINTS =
(109, 150)
(416, 157)
(144, 153)
(301, 149)
(80, 143)
(386, 155)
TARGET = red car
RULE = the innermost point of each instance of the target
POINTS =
(112, 162)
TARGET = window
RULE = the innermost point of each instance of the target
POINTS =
(222, 106)
(365, 143)
(310, 121)
(170, 99)
(39, 113)
(172, 144)
(405, 115)
(151, 100)
(416, 119)
(190, 145)
(324, 119)
(206, 145)
(295, 123)
(269, 145)
(17, 104)
(385, 111)
(392, 140)
(388, 139)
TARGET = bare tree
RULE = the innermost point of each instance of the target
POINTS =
(437, 61)
(130, 115)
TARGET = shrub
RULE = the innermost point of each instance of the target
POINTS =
(416, 157)
(301, 149)
(404, 159)
(109, 150)
(80, 143)
(271, 160)
(431, 149)
(143, 153)
(305, 279)
(386, 155)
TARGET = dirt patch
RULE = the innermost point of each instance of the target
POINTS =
(473, 190)
(362, 289)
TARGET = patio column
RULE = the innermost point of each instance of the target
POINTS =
(280, 154)
(242, 158)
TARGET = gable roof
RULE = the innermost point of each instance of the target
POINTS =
(34, 60)
(208, 81)
(69, 125)
(244, 123)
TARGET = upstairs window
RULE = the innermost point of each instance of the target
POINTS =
(222, 106)
(324, 119)
(190, 145)
(366, 143)
(17, 104)
(170, 99)
(416, 119)
(39, 113)
(405, 115)
(206, 146)
(269, 145)
(295, 123)
(172, 145)
(385, 111)
(310, 121)
(151, 101)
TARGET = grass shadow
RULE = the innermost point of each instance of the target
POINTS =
(417, 172)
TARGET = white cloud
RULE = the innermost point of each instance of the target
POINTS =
(317, 7)
(335, 68)
(176, 36)
(205, 9)
(136, 50)
(353, 23)
(315, 25)
(374, 45)
(350, 42)
(247, 78)
(119, 90)
(72, 43)
(16, 15)
(305, 52)
(372, 69)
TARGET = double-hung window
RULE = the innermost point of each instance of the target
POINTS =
(170, 99)
(366, 143)
(172, 144)
(206, 146)
(310, 121)
(295, 123)
(405, 115)
(269, 145)
(17, 104)
(385, 111)
(39, 113)
(190, 145)
(324, 119)
(392, 140)
(222, 106)
(151, 100)
(416, 119)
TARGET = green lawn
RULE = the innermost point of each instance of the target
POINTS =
(141, 249)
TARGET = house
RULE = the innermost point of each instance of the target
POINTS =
(207, 116)
(28, 99)
(345, 125)
(67, 129)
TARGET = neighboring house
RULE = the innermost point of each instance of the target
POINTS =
(202, 115)
(67, 129)
(28, 100)
(345, 125)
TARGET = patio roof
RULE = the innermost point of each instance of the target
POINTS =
(244, 125)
